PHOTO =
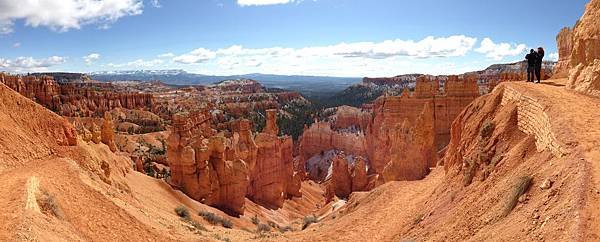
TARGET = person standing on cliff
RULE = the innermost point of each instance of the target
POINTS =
(538, 64)
(532, 59)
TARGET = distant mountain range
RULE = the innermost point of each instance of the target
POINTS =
(307, 85)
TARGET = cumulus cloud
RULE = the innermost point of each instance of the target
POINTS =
(139, 63)
(89, 59)
(64, 15)
(30, 64)
(498, 51)
(155, 3)
(195, 56)
(553, 56)
(343, 59)
(429, 47)
(166, 55)
(263, 2)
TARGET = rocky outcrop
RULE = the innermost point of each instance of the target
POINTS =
(273, 178)
(585, 57)
(75, 99)
(221, 171)
(390, 111)
(413, 152)
(107, 133)
(564, 40)
(340, 176)
(271, 123)
(347, 117)
(320, 137)
(199, 166)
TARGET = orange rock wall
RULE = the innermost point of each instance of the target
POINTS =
(584, 75)
(564, 40)
(74, 100)
(320, 137)
(389, 112)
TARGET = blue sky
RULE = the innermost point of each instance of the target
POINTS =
(309, 37)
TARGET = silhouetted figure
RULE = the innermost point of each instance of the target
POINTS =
(538, 64)
(532, 59)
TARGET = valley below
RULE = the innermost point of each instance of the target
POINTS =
(173, 156)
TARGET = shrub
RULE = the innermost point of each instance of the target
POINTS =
(49, 205)
(255, 220)
(518, 190)
(469, 173)
(182, 212)
(263, 228)
(273, 224)
(227, 223)
(308, 220)
(195, 224)
(216, 219)
(286, 229)
(486, 129)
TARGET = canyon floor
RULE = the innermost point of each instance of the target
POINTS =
(40, 182)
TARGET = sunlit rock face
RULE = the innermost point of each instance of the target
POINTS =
(273, 178)
(75, 100)
(585, 58)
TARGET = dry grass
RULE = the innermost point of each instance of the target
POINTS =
(522, 185)
(469, 172)
(487, 129)
(216, 219)
(308, 220)
(182, 212)
(49, 205)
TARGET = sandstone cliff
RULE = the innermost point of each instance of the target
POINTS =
(585, 57)
(73, 99)
(199, 166)
(564, 40)
(274, 178)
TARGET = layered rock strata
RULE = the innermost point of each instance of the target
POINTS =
(585, 57)
(74, 100)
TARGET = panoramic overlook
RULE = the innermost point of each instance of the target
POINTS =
(299, 120)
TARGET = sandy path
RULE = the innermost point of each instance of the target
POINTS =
(575, 120)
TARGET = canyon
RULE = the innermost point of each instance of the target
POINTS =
(473, 157)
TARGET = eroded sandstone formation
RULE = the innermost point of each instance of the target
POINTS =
(389, 111)
(585, 57)
(347, 117)
(221, 172)
(564, 40)
(107, 133)
(74, 100)
(273, 178)
(199, 166)
(320, 137)
(413, 151)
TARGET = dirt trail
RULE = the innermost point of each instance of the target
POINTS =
(575, 120)
(568, 143)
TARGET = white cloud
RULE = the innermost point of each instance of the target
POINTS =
(388, 57)
(498, 51)
(89, 59)
(155, 3)
(64, 15)
(166, 55)
(553, 56)
(263, 2)
(30, 64)
(195, 56)
(17, 45)
(429, 47)
(139, 63)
